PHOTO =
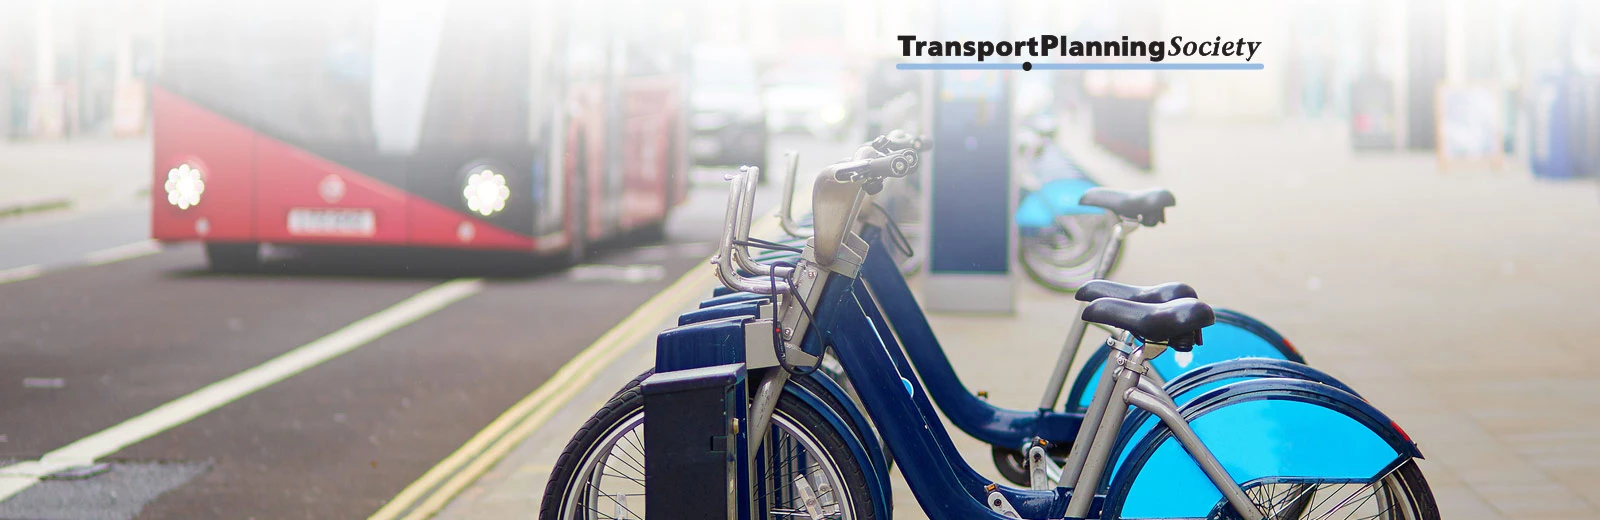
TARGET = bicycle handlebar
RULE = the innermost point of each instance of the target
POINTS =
(791, 161)
(894, 164)
(887, 156)
(750, 178)
(728, 257)
(897, 140)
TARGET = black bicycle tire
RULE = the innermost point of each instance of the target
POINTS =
(631, 398)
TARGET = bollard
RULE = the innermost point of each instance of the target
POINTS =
(693, 442)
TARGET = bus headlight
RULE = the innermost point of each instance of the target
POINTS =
(184, 186)
(486, 192)
(834, 114)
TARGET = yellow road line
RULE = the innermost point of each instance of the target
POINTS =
(474, 457)
(434, 490)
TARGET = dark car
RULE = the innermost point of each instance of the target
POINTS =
(727, 120)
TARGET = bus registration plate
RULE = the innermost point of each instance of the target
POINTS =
(336, 222)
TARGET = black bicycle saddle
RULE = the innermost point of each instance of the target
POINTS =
(1097, 289)
(1154, 322)
(1147, 206)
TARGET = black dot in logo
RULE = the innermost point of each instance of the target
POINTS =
(1027, 66)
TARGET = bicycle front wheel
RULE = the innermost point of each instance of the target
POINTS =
(806, 466)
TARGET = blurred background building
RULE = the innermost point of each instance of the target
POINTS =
(77, 68)
(71, 68)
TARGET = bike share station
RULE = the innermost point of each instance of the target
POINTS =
(796, 387)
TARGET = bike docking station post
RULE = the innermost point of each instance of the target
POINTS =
(694, 445)
(970, 197)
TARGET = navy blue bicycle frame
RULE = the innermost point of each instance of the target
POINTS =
(985, 422)
(907, 420)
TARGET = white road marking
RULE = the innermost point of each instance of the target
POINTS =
(16, 274)
(636, 273)
(123, 252)
(20, 476)
(102, 257)
(44, 382)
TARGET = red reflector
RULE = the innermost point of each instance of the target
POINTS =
(1402, 431)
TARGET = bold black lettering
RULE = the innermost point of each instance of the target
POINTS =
(1047, 42)
(1158, 50)
(905, 45)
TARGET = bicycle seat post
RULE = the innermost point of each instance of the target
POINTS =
(1119, 234)
(1069, 350)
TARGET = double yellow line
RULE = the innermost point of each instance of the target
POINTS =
(434, 490)
(431, 492)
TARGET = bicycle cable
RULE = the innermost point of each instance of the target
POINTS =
(763, 244)
(777, 328)
(897, 238)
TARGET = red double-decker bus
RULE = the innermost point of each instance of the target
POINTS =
(465, 124)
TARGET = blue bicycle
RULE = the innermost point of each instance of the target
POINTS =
(1058, 240)
(1014, 433)
(1257, 448)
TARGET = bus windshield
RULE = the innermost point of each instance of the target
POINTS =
(363, 76)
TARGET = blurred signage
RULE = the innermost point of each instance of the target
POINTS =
(1372, 117)
(1469, 124)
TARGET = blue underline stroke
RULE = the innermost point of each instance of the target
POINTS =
(1081, 66)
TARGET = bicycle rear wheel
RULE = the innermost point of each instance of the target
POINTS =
(1402, 494)
(1064, 257)
(807, 467)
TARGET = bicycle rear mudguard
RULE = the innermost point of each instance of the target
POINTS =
(1234, 335)
(1038, 210)
(1263, 431)
(721, 341)
(1200, 381)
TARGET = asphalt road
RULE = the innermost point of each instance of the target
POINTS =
(97, 327)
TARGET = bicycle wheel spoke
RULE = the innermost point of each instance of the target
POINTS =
(792, 470)
(639, 481)
(632, 463)
(1344, 502)
(614, 500)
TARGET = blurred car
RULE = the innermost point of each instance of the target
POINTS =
(809, 96)
(727, 120)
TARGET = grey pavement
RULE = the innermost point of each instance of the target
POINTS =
(82, 198)
(87, 173)
(1461, 303)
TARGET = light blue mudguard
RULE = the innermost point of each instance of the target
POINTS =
(1200, 381)
(1038, 210)
(1233, 336)
(1262, 431)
